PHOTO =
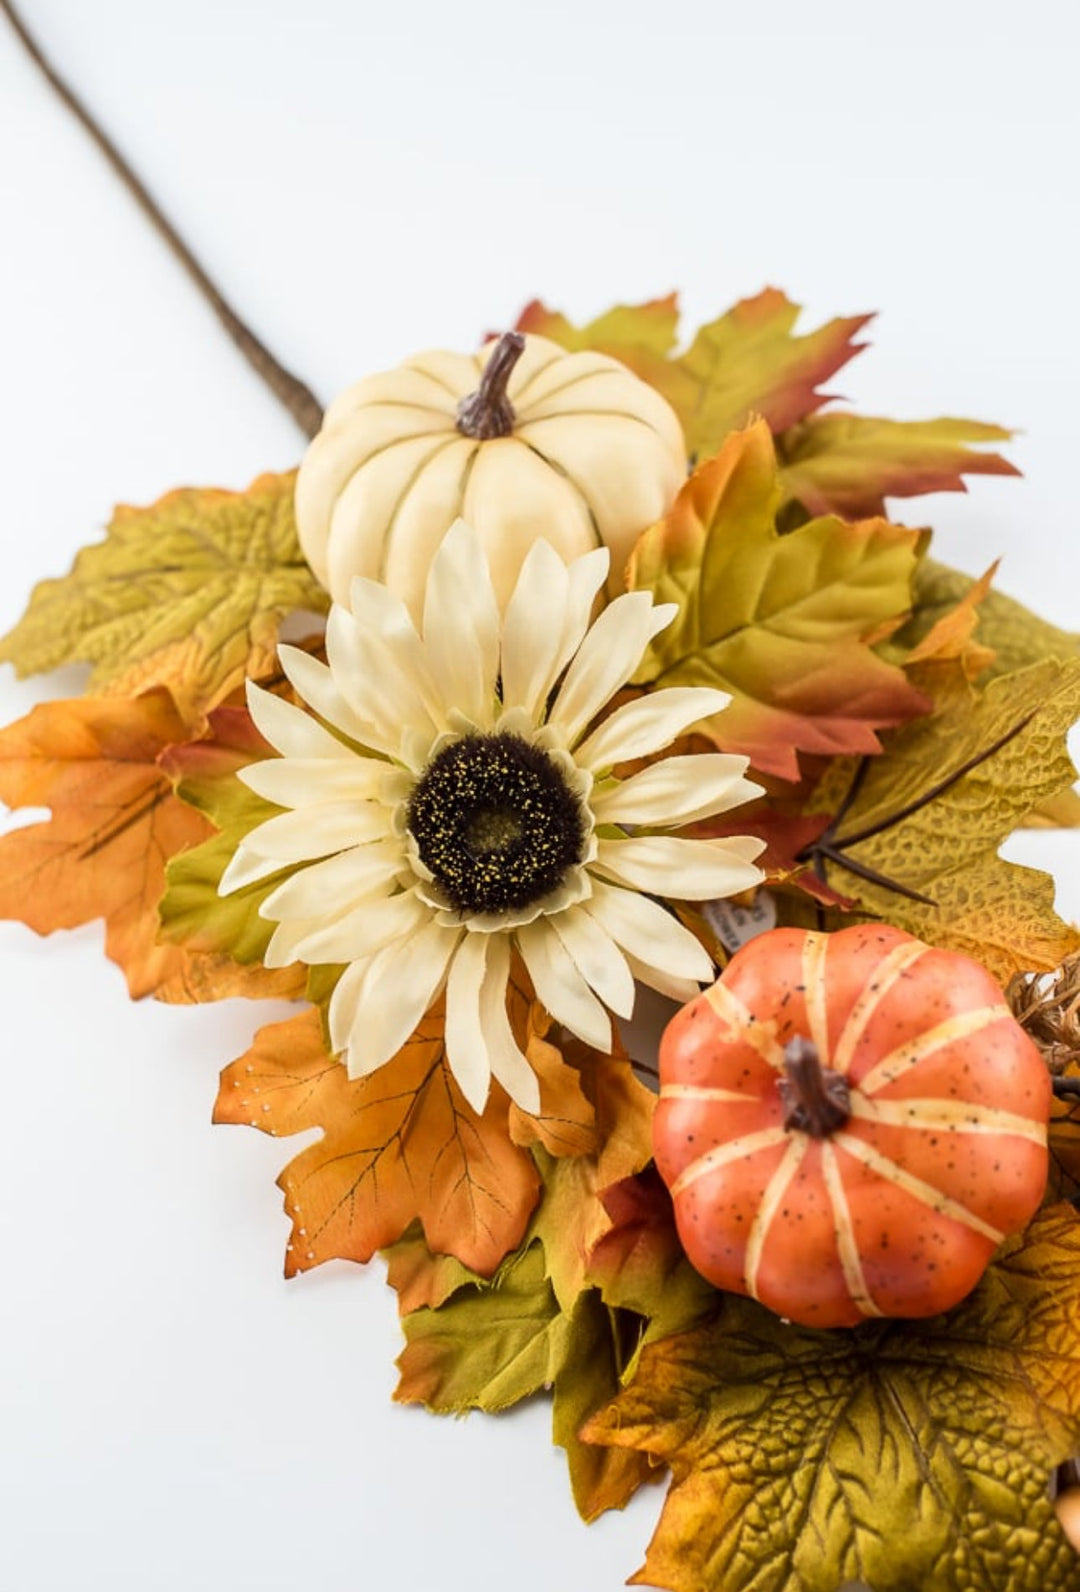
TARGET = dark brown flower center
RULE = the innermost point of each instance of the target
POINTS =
(496, 823)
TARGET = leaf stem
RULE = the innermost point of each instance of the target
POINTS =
(297, 398)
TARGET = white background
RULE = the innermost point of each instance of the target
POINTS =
(366, 181)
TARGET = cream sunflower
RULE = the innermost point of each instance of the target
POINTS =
(457, 803)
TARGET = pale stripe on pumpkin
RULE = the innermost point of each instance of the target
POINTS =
(723, 1154)
(960, 1026)
(888, 1169)
(947, 1116)
(814, 951)
(705, 1091)
(775, 1190)
(745, 1026)
(870, 997)
(846, 1247)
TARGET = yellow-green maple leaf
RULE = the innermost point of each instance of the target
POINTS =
(914, 1456)
(748, 361)
(849, 464)
(187, 593)
(946, 848)
(783, 623)
(1016, 636)
(641, 335)
(492, 1344)
(191, 912)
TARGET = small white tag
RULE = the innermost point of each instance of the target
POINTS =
(734, 926)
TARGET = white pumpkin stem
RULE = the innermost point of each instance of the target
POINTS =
(816, 1099)
(297, 398)
(488, 412)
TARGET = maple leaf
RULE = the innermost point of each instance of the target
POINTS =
(640, 335)
(102, 854)
(1015, 635)
(598, 1344)
(566, 1121)
(931, 812)
(192, 913)
(849, 464)
(638, 1264)
(419, 1278)
(750, 362)
(490, 1346)
(399, 1145)
(951, 639)
(746, 362)
(187, 593)
(571, 1217)
(485, 1345)
(783, 623)
(900, 1454)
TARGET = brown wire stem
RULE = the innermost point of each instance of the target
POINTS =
(297, 398)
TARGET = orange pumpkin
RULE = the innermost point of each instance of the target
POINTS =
(850, 1124)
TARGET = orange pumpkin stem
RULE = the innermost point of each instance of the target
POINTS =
(816, 1099)
(488, 412)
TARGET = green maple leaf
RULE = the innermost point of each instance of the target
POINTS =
(906, 1455)
(191, 912)
(849, 464)
(492, 1344)
(783, 623)
(946, 848)
(489, 1345)
(187, 593)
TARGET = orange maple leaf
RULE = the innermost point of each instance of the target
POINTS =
(115, 823)
(399, 1145)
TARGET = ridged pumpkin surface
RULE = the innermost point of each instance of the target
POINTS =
(897, 1211)
(595, 455)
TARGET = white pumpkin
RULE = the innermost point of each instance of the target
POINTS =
(522, 440)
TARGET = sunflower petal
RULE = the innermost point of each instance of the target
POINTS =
(334, 885)
(289, 729)
(560, 987)
(678, 790)
(532, 630)
(315, 831)
(682, 990)
(509, 1065)
(466, 1044)
(607, 658)
(379, 1001)
(649, 936)
(300, 781)
(379, 611)
(371, 924)
(314, 682)
(461, 625)
(648, 724)
(246, 868)
(596, 957)
(684, 870)
(376, 680)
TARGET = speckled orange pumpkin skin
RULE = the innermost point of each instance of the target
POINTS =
(898, 1211)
